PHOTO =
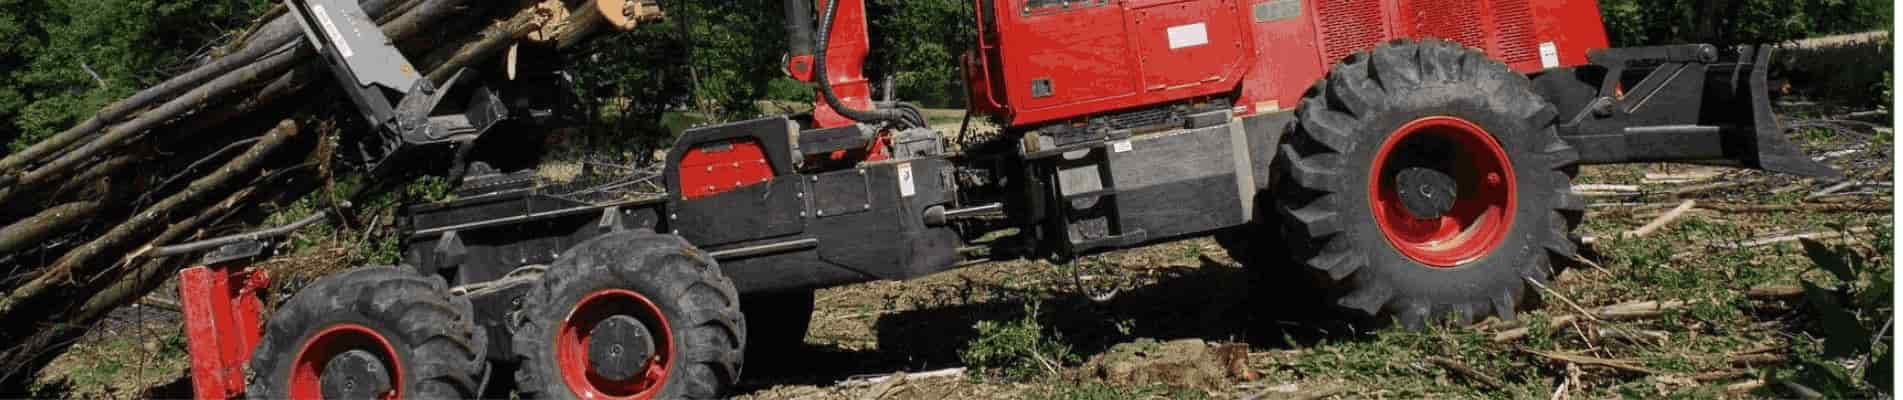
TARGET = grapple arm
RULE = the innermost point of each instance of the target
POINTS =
(1674, 104)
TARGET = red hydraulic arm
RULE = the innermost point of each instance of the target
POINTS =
(846, 50)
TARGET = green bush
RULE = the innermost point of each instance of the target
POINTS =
(1018, 349)
(1852, 306)
(1652, 22)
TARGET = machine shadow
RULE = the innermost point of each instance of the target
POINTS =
(1211, 303)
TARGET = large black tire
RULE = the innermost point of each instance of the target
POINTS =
(1323, 183)
(437, 345)
(699, 306)
(777, 324)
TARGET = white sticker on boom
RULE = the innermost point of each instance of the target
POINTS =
(331, 29)
(1120, 146)
(906, 187)
(1549, 55)
(1188, 35)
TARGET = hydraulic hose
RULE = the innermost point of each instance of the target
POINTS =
(912, 119)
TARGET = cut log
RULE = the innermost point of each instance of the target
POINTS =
(276, 34)
(86, 260)
(38, 228)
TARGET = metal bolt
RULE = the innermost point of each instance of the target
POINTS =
(821, 213)
(673, 216)
(868, 206)
(1493, 178)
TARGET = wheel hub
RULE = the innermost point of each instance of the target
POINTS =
(346, 361)
(614, 345)
(1426, 193)
(355, 374)
(1442, 191)
(619, 347)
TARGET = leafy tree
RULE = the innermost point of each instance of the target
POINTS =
(74, 56)
(736, 53)
(1725, 22)
(918, 42)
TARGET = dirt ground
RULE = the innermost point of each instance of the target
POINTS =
(1730, 313)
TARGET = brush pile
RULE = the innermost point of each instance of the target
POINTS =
(81, 211)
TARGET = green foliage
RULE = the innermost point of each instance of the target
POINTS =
(918, 42)
(1651, 22)
(1017, 349)
(737, 48)
(129, 44)
(1100, 391)
(1852, 303)
(429, 189)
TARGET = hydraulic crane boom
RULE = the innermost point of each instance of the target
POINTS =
(372, 71)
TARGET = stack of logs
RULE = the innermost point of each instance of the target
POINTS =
(80, 211)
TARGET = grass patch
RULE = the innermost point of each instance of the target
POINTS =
(1020, 349)
(1099, 391)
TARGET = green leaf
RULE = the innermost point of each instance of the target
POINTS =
(1843, 335)
(1878, 372)
(1830, 259)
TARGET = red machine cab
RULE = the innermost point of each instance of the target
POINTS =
(1040, 61)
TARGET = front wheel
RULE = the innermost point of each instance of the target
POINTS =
(1425, 181)
(376, 332)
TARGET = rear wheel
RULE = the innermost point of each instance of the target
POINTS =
(1426, 181)
(1282, 294)
(630, 315)
(377, 332)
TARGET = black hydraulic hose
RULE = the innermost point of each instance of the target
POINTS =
(826, 85)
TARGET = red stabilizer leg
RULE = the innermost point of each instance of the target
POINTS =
(222, 326)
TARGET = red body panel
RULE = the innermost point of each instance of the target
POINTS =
(1109, 55)
(222, 326)
(722, 166)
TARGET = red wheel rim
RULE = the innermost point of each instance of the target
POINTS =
(308, 367)
(571, 346)
(1483, 205)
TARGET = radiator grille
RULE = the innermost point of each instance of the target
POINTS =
(1513, 31)
(1456, 20)
(1140, 119)
(1349, 26)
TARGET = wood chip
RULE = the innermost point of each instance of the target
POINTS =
(1774, 292)
(1663, 219)
(1467, 372)
(1878, 207)
(1582, 359)
(1760, 242)
(880, 379)
(1745, 386)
